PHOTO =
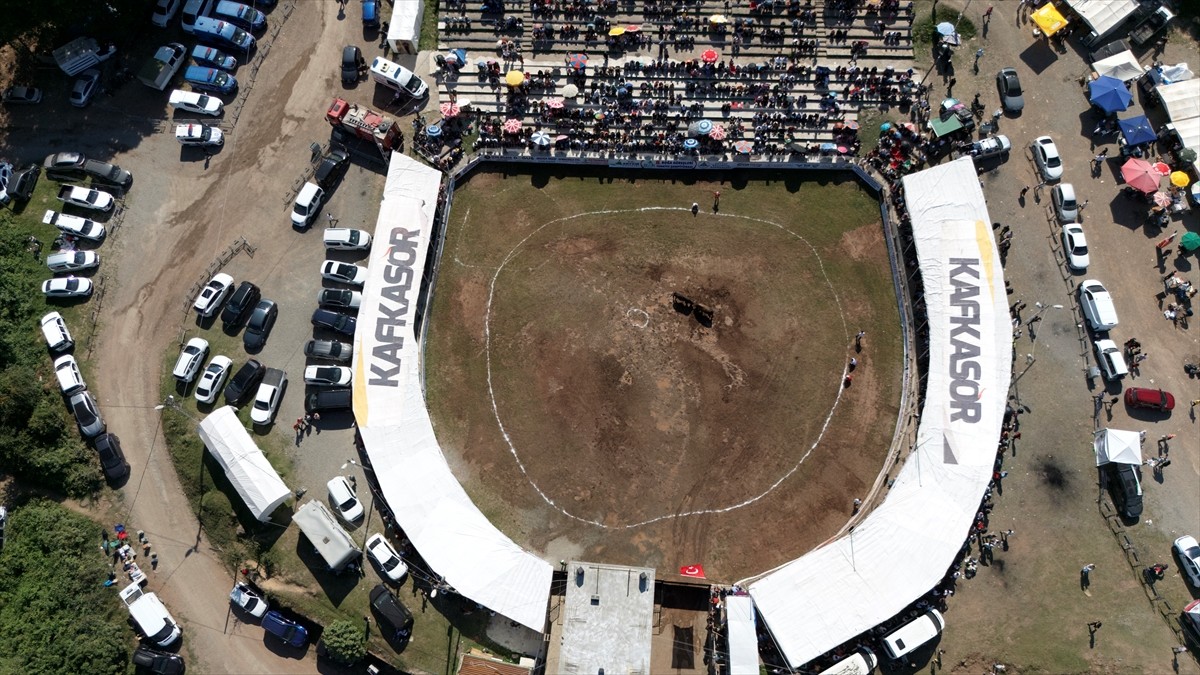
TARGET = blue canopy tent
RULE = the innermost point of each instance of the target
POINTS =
(1137, 130)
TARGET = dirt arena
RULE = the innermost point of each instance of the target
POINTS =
(590, 414)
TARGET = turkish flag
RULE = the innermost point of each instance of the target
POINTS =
(696, 571)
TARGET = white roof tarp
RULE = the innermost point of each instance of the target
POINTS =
(1103, 15)
(1122, 66)
(331, 541)
(743, 638)
(1181, 99)
(1189, 135)
(904, 547)
(451, 534)
(245, 465)
(1115, 445)
(405, 26)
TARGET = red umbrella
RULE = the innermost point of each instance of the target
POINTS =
(1141, 174)
(743, 147)
(449, 109)
(718, 133)
(512, 126)
(632, 29)
(1162, 168)
(710, 56)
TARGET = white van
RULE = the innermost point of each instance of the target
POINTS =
(861, 662)
(907, 638)
(396, 76)
(193, 10)
(54, 329)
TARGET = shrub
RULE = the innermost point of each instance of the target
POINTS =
(345, 641)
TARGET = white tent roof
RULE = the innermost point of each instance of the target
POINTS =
(406, 22)
(255, 480)
(743, 638)
(451, 534)
(330, 540)
(903, 548)
(1115, 445)
(1122, 66)
(1189, 134)
(1103, 15)
(1181, 99)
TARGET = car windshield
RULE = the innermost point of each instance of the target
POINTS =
(202, 102)
(414, 85)
(1078, 248)
(348, 504)
(1053, 160)
(327, 374)
(1193, 552)
(391, 563)
(300, 209)
(344, 270)
(71, 284)
(263, 404)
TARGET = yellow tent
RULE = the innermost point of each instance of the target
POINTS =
(1049, 20)
(514, 78)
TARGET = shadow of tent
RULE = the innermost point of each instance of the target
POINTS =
(1039, 56)
(683, 649)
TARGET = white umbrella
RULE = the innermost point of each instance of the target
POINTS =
(945, 28)
(541, 138)
(570, 91)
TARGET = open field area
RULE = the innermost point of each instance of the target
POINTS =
(634, 432)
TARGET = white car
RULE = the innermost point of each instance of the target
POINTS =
(1046, 157)
(67, 287)
(386, 558)
(199, 135)
(1111, 360)
(345, 239)
(191, 357)
(1066, 207)
(346, 273)
(213, 379)
(266, 400)
(70, 380)
(74, 225)
(343, 497)
(213, 294)
(1097, 305)
(72, 261)
(308, 205)
(328, 376)
(85, 87)
(194, 102)
(1075, 246)
(164, 11)
(248, 601)
(85, 197)
(1189, 558)
(54, 330)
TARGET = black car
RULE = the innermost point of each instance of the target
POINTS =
(259, 325)
(329, 350)
(333, 165)
(244, 382)
(1125, 481)
(160, 663)
(1009, 86)
(73, 165)
(22, 183)
(342, 323)
(395, 621)
(352, 64)
(112, 458)
(328, 399)
(244, 298)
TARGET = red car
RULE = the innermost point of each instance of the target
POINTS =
(1155, 399)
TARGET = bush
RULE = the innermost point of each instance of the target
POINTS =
(345, 641)
(925, 29)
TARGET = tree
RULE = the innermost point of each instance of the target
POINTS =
(345, 641)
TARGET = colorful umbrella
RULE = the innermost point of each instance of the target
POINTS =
(449, 109)
(1190, 242)
(540, 138)
(701, 128)
(514, 78)
(1109, 94)
(945, 28)
(554, 103)
(1137, 130)
(458, 56)
(743, 147)
(633, 29)
(1162, 168)
(710, 56)
(1141, 175)
(512, 126)
(718, 133)
(691, 144)
(570, 91)
(433, 131)
(1049, 19)
(1162, 199)
(852, 124)
(616, 31)
(577, 61)
(1179, 179)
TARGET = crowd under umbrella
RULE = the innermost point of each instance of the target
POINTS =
(1190, 242)
(577, 61)
(691, 144)
(570, 91)
(718, 132)
(555, 103)
(1162, 199)
(1137, 130)
(449, 109)
(1141, 175)
(514, 78)
(1179, 179)
(616, 31)
(710, 56)
(433, 130)
(512, 126)
(945, 28)
(457, 57)
(1109, 94)
(743, 147)
(700, 128)
(541, 138)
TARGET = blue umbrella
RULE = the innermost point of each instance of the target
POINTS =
(1109, 94)
(433, 131)
(691, 144)
(1137, 130)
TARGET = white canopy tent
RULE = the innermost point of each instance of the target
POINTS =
(404, 31)
(1122, 66)
(445, 526)
(331, 541)
(1103, 15)
(1189, 135)
(743, 638)
(256, 481)
(904, 547)
(1181, 100)
(1115, 445)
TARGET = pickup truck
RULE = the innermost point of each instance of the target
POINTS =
(158, 71)
(85, 197)
(150, 615)
(74, 225)
(1148, 26)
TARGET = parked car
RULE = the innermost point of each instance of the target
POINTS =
(72, 261)
(1152, 399)
(55, 332)
(201, 135)
(223, 33)
(990, 147)
(211, 56)
(1075, 246)
(67, 287)
(328, 376)
(328, 400)
(191, 357)
(213, 294)
(353, 64)
(339, 298)
(240, 15)
(345, 239)
(85, 197)
(270, 392)
(66, 370)
(345, 273)
(332, 166)
(248, 601)
(22, 95)
(244, 299)
(87, 415)
(210, 79)
(22, 184)
(1011, 97)
(1097, 305)
(1046, 158)
(164, 11)
(330, 350)
(307, 205)
(159, 663)
(1189, 558)
(200, 104)
(192, 11)
(1066, 207)
(1111, 360)
(292, 633)
(73, 165)
(341, 323)
(213, 379)
(244, 381)
(389, 562)
(85, 88)
(85, 228)
(258, 328)
(394, 620)
(344, 500)
(1125, 482)
(370, 13)
(112, 457)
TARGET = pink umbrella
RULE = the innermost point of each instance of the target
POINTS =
(554, 103)
(718, 133)
(1141, 174)
(710, 56)
(449, 109)
(512, 126)
(744, 147)
(1162, 199)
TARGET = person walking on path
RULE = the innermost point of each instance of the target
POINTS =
(695, 208)
(1085, 576)
(858, 340)
(716, 200)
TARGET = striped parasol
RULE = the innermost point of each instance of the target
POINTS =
(718, 132)
(449, 109)
(512, 126)
(743, 147)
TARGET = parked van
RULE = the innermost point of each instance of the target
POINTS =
(224, 32)
(395, 76)
(907, 638)
(861, 662)
(194, 9)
